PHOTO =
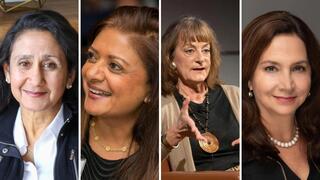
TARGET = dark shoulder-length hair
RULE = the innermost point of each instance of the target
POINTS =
(141, 24)
(62, 31)
(256, 37)
(187, 29)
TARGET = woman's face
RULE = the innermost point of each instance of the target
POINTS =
(281, 81)
(192, 60)
(37, 71)
(114, 76)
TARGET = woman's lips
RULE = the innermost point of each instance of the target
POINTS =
(95, 93)
(35, 93)
(198, 69)
(285, 99)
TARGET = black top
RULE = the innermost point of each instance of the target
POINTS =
(97, 168)
(222, 123)
(274, 168)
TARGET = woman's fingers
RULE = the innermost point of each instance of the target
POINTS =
(185, 107)
(186, 125)
(235, 142)
(195, 131)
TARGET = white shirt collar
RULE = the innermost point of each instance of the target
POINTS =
(19, 133)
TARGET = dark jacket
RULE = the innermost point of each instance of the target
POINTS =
(272, 167)
(66, 163)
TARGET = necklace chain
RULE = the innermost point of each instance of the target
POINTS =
(107, 148)
(287, 144)
(197, 119)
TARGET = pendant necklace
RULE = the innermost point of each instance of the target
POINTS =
(212, 144)
(107, 148)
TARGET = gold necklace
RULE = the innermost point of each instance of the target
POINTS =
(107, 148)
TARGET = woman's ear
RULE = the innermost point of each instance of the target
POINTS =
(71, 77)
(250, 85)
(6, 70)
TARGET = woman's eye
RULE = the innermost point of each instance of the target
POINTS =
(206, 51)
(24, 64)
(50, 66)
(115, 67)
(189, 51)
(91, 57)
(270, 69)
(299, 68)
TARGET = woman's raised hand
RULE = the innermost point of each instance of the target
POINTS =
(184, 127)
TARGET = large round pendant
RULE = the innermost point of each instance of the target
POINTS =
(212, 145)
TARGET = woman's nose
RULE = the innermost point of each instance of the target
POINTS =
(200, 57)
(287, 82)
(95, 73)
(36, 75)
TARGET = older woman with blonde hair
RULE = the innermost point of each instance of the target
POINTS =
(200, 127)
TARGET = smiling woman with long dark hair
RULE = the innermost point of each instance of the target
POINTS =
(280, 80)
(120, 104)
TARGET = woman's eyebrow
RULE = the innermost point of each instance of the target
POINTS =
(92, 49)
(24, 56)
(118, 58)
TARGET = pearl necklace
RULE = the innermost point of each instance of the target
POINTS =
(288, 144)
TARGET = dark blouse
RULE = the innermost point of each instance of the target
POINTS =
(97, 168)
(222, 123)
(274, 168)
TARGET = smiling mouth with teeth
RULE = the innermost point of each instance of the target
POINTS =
(100, 93)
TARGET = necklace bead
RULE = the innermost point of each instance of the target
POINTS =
(287, 144)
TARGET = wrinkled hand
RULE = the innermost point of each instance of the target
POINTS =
(185, 127)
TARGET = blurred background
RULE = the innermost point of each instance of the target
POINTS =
(223, 16)
(68, 8)
(93, 11)
(308, 11)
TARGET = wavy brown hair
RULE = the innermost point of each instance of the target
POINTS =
(256, 37)
(187, 29)
(141, 24)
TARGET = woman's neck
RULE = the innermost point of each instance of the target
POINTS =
(35, 122)
(279, 127)
(115, 131)
(196, 92)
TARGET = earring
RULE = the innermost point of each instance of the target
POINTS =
(309, 93)
(173, 65)
(146, 99)
(250, 93)
(7, 80)
(69, 86)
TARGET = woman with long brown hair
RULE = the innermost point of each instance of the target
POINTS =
(120, 107)
(280, 80)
